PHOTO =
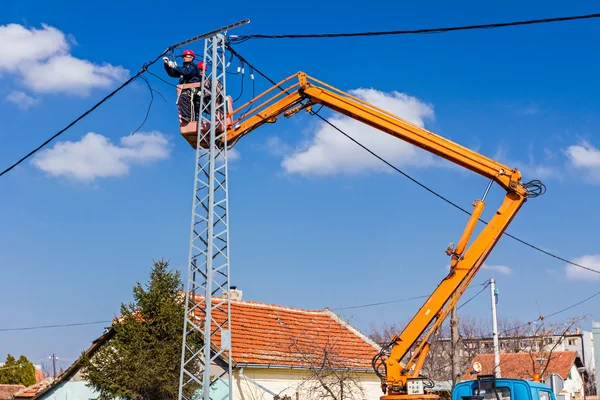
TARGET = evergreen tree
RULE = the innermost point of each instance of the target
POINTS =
(143, 358)
(17, 372)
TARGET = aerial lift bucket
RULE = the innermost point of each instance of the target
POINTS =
(189, 129)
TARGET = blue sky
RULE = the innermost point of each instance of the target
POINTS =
(83, 221)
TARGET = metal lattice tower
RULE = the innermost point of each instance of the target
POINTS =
(206, 336)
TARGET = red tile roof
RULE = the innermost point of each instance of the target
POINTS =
(7, 391)
(264, 334)
(34, 389)
(521, 365)
(39, 375)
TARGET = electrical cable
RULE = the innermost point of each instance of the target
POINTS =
(149, 105)
(243, 38)
(485, 285)
(542, 317)
(391, 301)
(539, 187)
(380, 303)
(161, 79)
(31, 328)
(241, 68)
(89, 111)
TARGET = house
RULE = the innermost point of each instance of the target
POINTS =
(69, 385)
(32, 391)
(596, 343)
(10, 391)
(525, 365)
(572, 340)
(7, 391)
(275, 351)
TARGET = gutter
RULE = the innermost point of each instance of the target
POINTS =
(277, 366)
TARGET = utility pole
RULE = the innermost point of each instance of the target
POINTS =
(454, 336)
(494, 295)
(53, 365)
(208, 265)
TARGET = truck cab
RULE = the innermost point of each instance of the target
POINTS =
(487, 387)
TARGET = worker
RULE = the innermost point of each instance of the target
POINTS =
(188, 100)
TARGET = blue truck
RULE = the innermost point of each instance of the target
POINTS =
(487, 387)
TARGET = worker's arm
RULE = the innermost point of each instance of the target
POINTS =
(171, 72)
(189, 71)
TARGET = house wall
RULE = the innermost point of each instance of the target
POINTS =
(289, 382)
(574, 384)
(74, 388)
(590, 354)
(596, 333)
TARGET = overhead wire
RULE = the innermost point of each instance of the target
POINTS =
(86, 113)
(31, 328)
(401, 300)
(543, 317)
(161, 79)
(380, 303)
(230, 48)
(243, 38)
(151, 90)
(485, 285)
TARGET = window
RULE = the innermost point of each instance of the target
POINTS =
(503, 393)
(544, 395)
(572, 342)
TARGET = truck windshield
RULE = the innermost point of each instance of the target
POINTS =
(503, 393)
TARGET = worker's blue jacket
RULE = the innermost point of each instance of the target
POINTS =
(187, 73)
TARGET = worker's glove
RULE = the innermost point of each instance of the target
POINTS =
(172, 64)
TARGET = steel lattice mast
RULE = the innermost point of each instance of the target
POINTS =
(206, 335)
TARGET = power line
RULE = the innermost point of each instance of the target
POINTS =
(401, 301)
(243, 38)
(31, 328)
(126, 83)
(542, 317)
(410, 177)
(381, 303)
(485, 285)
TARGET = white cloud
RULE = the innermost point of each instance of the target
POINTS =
(41, 59)
(66, 73)
(21, 45)
(501, 269)
(576, 273)
(586, 157)
(329, 152)
(21, 100)
(94, 156)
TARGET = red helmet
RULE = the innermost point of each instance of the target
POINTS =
(190, 53)
(201, 65)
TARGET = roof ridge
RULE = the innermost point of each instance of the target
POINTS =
(273, 306)
(347, 325)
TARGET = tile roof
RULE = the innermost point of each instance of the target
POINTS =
(33, 390)
(39, 375)
(520, 365)
(74, 368)
(7, 391)
(265, 334)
